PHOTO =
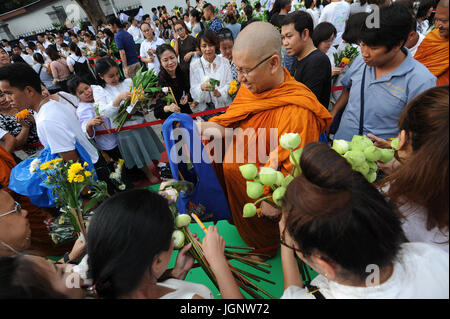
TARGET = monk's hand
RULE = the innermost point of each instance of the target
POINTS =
(216, 93)
(379, 142)
(269, 211)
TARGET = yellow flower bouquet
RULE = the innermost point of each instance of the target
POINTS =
(233, 88)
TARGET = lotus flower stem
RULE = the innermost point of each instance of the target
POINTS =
(239, 247)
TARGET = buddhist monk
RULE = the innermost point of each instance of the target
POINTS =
(433, 51)
(269, 97)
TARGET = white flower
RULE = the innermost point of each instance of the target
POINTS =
(205, 79)
(165, 90)
(34, 165)
(290, 141)
(115, 176)
(122, 187)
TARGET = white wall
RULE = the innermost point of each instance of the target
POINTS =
(38, 20)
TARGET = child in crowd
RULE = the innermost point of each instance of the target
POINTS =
(139, 147)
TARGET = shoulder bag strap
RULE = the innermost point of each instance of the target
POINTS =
(361, 115)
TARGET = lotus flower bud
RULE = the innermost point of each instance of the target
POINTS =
(372, 153)
(371, 177)
(182, 220)
(290, 141)
(278, 196)
(355, 158)
(360, 143)
(268, 176)
(394, 143)
(373, 166)
(341, 146)
(254, 190)
(387, 155)
(287, 180)
(280, 178)
(249, 171)
(363, 169)
(178, 239)
(295, 156)
(249, 210)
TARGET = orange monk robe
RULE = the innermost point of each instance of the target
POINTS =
(433, 53)
(292, 108)
(41, 242)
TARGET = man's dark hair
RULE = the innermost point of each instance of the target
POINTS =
(115, 21)
(145, 16)
(301, 21)
(131, 19)
(353, 27)
(248, 11)
(4, 40)
(20, 75)
(154, 9)
(394, 28)
(208, 6)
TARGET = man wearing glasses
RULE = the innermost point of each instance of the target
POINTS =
(269, 98)
(433, 51)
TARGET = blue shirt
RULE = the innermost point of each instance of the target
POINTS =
(216, 25)
(125, 41)
(384, 98)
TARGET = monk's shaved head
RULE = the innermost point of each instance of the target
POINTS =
(443, 3)
(260, 39)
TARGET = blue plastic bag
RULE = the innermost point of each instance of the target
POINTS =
(207, 200)
(23, 182)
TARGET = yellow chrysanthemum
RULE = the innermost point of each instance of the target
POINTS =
(85, 164)
(345, 60)
(87, 174)
(75, 168)
(78, 179)
(45, 166)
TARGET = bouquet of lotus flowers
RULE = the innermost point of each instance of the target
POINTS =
(363, 155)
(143, 90)
(233, 88)
(346, 56)
(256, 181)
(67, 181)
(183, 236)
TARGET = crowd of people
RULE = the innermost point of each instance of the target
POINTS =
(275, 64)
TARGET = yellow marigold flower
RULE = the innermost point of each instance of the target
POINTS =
(23, 114)
(78, 179)
(75, 168)
(345, 60)
(87, 174)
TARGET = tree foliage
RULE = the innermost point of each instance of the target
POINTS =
(9, 5)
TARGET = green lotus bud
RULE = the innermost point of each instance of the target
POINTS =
(182, 220)
(360, 143)
(290, 141)
(341, 146)
(254, 190)
(249, 171)
(394, 143)
(295, 156)
(178, 239)
(372, 153)
(371, 177)
(287, 180)
(280, 178)
(387, 154)
(363, 169)
(249, 210)
(355, 158)
(278, 196)
(372, 166)
(268, 176)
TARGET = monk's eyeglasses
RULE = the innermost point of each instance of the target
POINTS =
(245, 73)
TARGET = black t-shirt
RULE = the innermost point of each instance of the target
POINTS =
(314, 71)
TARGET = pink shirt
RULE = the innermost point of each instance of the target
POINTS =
(60, 70)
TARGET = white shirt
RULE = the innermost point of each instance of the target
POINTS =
(28, 59)
(413, 50)
(336, 13)
(2, 133)
(198, 75)
(138, 37)
(58, 127)
(185, 290)
(420, 272)
(46, 44)
(74, 58)
(85, 113)
(145, 46)
(314, 15)
(105, 97)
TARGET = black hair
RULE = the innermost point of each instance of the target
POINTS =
(102, 67)
(115, 21)
(394, 27)
(20, 278)
(108, 32)
(301, 21)
(353, 27)
(131, 19)
(154, 9)
(248, 11)
(75, 48)
(163, 73)
(38, 58)
(423, 9)
(20, 75)
(52, 53)
(322, 32)
(16, 58)
(75, 80)
(340, 215)
(198, 17)
(277, 6)
(209, 37)
(145, 16)
(225, 34)
(31, 45)
(125, 235)
(4, 40)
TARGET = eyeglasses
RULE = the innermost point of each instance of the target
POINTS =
(179, 30)
(17, 209)
(282, 242)
(225, 35)
(245, 73)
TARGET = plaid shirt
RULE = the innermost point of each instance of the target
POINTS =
(216, 25)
